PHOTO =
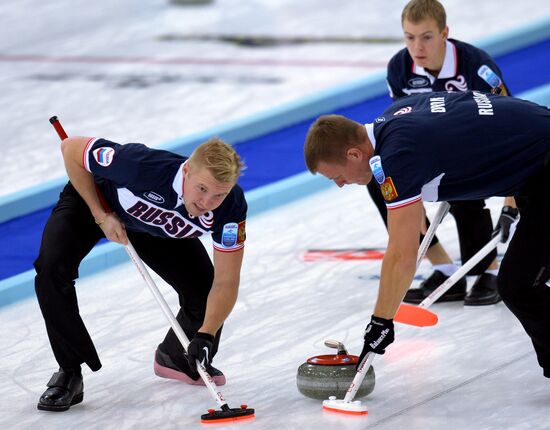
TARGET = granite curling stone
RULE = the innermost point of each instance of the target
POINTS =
(323, 376)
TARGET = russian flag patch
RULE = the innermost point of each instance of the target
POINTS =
(103, 156)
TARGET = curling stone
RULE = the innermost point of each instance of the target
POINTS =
(323, 376)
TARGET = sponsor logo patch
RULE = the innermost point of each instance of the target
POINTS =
(229, 234)
(377, 170)
(388, 189)
(418, 82)
(104, 156)
(485, 73)
(154, 197)
(404, 110)
(380, 119)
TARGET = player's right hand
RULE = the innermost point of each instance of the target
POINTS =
(378, 335)
(200, 348)
(113, 229)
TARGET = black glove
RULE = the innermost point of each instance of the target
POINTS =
(508, 216)
(378, 335)
(200, 348)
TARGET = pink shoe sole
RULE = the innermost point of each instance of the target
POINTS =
(166, 372)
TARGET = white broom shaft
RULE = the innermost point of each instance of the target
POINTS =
(173, 322)
(358, 379)
(440, 214)
(480, 255)
(361, 373)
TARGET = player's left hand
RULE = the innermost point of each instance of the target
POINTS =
(200, 348)
(508, 217)
(378, 335)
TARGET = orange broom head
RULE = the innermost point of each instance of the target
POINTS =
(414, 315)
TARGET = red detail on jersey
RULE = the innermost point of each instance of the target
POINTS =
(84, 163)
(397, 206)
(455, 51)
(217, 248)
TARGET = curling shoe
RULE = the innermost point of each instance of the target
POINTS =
(165, 367)
(65, 389)
(483, 292)
(455, 293)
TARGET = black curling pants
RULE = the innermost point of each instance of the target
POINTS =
(69, 235)
(473, 222)
(525, 268)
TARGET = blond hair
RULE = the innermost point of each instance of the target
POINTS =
(328, 140)
(221, 160)
(419, 10)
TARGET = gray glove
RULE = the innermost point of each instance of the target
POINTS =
(508, 216)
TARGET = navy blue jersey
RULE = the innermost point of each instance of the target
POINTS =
(465, 67)
(144, 187)
(457, 146)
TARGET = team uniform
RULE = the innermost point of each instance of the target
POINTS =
(455, 146)
(465, 67)
(144, 187)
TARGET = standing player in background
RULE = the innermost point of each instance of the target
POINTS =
(432, 62)
(162, 202)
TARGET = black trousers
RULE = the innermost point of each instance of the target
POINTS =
(69, 235)
(525, 268)
(473, 222)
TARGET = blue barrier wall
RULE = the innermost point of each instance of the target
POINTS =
(278, 132)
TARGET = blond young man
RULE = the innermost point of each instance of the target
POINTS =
(433, 62)
(162, 202)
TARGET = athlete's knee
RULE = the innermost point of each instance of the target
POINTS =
(53, 274)
(507, 287)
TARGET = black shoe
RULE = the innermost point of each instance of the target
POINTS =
(483, 292)
(65, 389)
(455, 293)
(165, 367)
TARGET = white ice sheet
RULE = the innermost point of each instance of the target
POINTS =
(475, 369)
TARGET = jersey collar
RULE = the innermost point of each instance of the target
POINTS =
(177, 185)
(449, 68)
(370, 133)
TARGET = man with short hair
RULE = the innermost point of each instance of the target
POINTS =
(433, 62)
(445, 147)
(162, 202)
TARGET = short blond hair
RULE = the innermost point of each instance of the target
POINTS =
(328, 140)
(419, 10)
(220, 158)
